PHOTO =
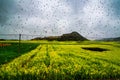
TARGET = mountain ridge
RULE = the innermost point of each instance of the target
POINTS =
(110, 39)
(73, 36)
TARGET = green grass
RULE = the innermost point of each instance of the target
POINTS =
(63, 61)
(8, 53)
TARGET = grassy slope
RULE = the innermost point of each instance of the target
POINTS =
(66, 62)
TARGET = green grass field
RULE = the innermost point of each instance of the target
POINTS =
(44, 60)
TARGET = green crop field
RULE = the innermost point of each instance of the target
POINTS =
(44, 60)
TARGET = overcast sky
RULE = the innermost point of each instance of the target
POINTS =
(91, 18)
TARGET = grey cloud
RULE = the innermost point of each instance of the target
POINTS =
(77, 5)
(116, 7)
(6, 9)
(55, 17)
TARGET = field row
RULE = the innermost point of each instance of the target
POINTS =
(66, 62)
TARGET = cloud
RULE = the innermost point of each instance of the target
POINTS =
(41, 15)
(94, 21)
(91, 18)
(113, 8)
(6, 9)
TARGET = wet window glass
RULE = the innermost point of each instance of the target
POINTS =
(59, 39)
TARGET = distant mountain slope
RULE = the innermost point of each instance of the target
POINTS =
(74, 36)
(111, 39)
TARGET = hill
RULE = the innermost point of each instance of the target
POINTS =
(111, 39)
(74, 36)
